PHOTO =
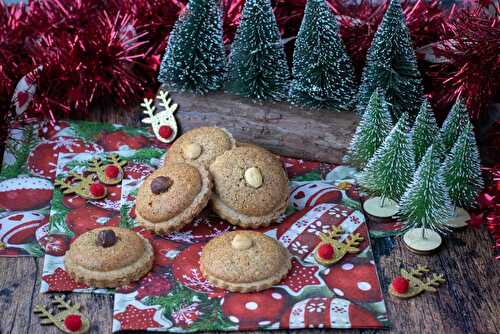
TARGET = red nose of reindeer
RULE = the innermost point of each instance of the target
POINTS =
(165, 131)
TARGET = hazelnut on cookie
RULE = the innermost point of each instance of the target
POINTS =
(172, 196)
(109, 257)
(244, 261)
(251, 187)
(200, 145)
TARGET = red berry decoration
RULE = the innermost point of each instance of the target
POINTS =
(400, 284)
(73, 322)
(326, 251)
(165, 131)
(97, 189)
(111, 171)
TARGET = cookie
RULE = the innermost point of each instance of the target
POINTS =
(250, 187)
(172, 196)
(200, 145)
(244, 261)
(109, 257)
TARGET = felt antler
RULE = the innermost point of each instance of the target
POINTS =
(419, 271)
(46, 317)
(62, 304)
(431, 283)
(95, 164)
(333, 234)
(149, 110)
(353, 242)
(116, 160)
(166, 102)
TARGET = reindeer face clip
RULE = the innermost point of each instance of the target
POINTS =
(163, 123)
(411, 283)
(69, 319)
(330, 250)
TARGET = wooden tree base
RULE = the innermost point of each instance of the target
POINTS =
(378, 212)
(321, 135)
(423, 246)
(459, 219)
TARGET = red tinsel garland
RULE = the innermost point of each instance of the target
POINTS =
(489, 206)
(85, 65)
(469, 65)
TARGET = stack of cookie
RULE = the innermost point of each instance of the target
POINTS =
(246, 185)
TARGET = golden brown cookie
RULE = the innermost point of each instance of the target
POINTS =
(109, 257)
(172, 196)
(244, 261)
(251, 187)
(200, 145)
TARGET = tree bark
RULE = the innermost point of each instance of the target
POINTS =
(321, 135)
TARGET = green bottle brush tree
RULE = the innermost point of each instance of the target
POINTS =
(391, 65)
(323, 75)
(257, 66)
(195, 58)
(425, 207)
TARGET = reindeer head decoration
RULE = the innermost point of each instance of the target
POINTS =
(163, 122)
(62, 319)
(110, 171)
(411, 283)
(330, 250)
(81, 185)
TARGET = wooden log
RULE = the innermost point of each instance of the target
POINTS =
(321, 135)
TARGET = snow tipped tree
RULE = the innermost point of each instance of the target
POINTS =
(373, 128)
(257, 64)
(323, 75)
(195, 58)
(391, 168)
(391, 64)
(454, 124)
(425, 202)
(461, 168)
(426, 132)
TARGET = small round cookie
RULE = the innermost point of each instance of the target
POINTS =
(251, 187)
(172, 196)
(109, 257)
(200, 145)
(244, 261)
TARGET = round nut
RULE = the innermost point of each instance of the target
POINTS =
(191, 151)
(241, 242)
(106, 238)
(253, 177)
(161, 184)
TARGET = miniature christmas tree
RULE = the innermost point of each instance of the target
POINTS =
(425, 206)
(323, 75)
(391, 168)
(426, 132)
(371, 132)
(257, 64)
(461, 168)
(195, 58)
(391, 64)
(454, 124)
